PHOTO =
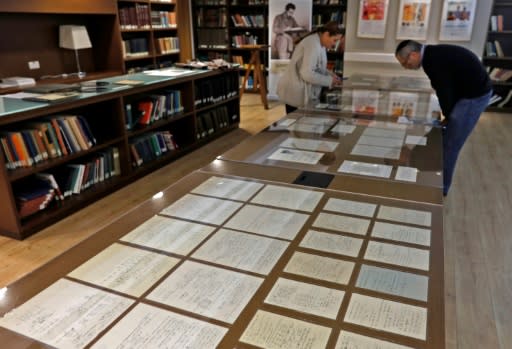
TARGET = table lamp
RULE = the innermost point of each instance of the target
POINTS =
(74, 37)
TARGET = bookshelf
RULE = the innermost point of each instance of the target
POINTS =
(498, 55)
(228, 28)
(194, 108)
(332, 10)
(149, 33)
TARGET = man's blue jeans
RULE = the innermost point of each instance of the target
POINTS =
(461, 122)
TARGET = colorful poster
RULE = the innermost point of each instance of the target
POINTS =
(403, 104)
(413, 19)
(372, 18)
(457, 20)
(365, 101)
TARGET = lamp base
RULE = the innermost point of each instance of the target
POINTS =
(81, 74)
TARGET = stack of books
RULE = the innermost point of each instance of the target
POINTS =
(33, 196)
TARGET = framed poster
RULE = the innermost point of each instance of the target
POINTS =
(365, 101)
(403, 104)
(413, 19)
(457, 20)
(372, 18)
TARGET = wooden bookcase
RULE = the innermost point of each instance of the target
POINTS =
(31, 33)
(150, 33)
(500, 34)
(204, 96)
(217, 36)
(332, 10)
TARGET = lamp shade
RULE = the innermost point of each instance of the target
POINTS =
(74, 37)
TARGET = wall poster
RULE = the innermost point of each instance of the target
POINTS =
(288, 20)
(457, 20)
(413, 19)
(372, 18)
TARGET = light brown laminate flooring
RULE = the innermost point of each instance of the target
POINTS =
(477, 221)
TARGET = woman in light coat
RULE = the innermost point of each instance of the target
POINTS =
(307, 71)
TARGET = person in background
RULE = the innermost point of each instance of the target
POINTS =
(462, 86)
(307, 72)
(283, 40)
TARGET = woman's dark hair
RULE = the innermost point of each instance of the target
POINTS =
(331, 27)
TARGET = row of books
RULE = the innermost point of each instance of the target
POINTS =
(38, 191)
(500, 101)
(212, 121)
(149, 147)
(212, 17)
(494, 49)
(241, 40)
(212, 38)
(153, 108)
(167, 45)
(210, 2)
(239, 20)
(497, 23)
(38, 141)
(500, 74)
(327, 2)
(249, 2)
(33, 196)
(212, 55)
(211, 91)
(135, 47)
(135, 17)
(163, 19)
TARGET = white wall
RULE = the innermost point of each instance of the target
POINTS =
(377, 56)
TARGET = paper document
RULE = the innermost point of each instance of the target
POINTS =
(202, 209)
(146, 326)
(399, 255)
(393, 282)
(365, 169)
(341, 223)
(309, 144)
(376, 151)
(169, 235)
(238, 250)
(205, 290)
(403, 233)
(321, 268)
(287, 197)
(389, 316)
(349, 340)
(333, 243)
(268, 221)
(125, 269)
(404, 215)
(228, 188)
(355, 208)
(407, 174)
(306, 298)
(66, 314)
(270, 331)
(295, 155)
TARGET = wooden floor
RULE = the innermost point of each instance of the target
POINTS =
(478, 226)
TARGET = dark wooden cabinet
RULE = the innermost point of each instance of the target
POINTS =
(332, 10)
(150, 33)
(32, 34)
